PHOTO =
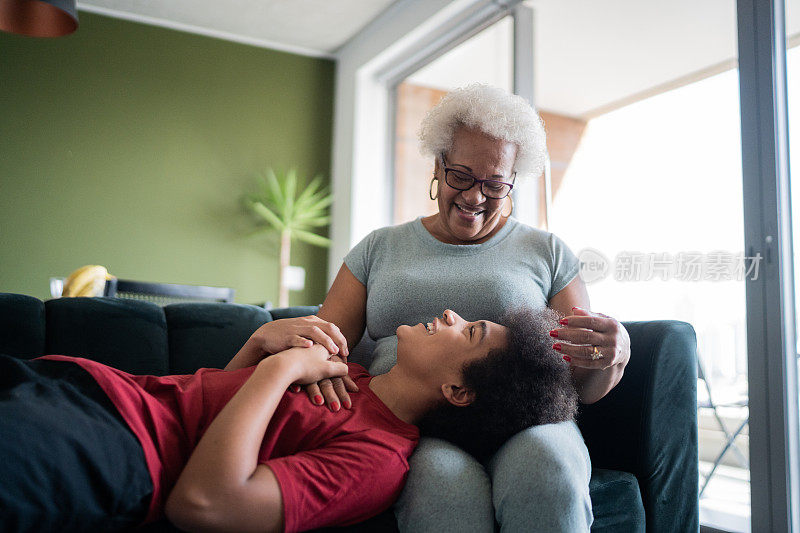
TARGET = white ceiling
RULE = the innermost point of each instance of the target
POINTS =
(309, 27)
(595, 55)
(590, 55)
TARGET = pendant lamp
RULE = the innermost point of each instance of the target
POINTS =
(38, 18)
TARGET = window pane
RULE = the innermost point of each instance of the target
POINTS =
(648, 177)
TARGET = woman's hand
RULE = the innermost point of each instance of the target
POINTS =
(286, 333)
(301, 332)
(308, 365)
(582, 331)
(332, 391)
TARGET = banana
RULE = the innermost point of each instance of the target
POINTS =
(89, 280)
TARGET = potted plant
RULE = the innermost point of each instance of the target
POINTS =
(292, 208)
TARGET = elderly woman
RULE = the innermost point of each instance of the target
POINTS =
(476, 258)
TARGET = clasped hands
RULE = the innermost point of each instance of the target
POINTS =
(302, 332)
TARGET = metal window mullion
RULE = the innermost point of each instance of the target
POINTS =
(522, 51)
(772, 370)
(527, 197)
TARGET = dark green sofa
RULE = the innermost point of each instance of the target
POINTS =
(642, 437)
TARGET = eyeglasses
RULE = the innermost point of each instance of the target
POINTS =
(462, 181)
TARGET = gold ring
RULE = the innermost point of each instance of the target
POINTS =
(596, 353)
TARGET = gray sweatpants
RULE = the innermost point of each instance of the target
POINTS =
(538, 481)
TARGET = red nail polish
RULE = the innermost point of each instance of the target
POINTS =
(554, 333)
(567, 358)
(557, 347)
(335, 406)
(296, 388)
(574, 308)
(318, 399)
(563, 322)
(347, 404)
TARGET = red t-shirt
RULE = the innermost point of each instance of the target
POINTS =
(333, 468)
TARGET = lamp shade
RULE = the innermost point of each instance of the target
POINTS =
(38, 18)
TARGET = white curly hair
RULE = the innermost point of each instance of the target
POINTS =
(493, 111)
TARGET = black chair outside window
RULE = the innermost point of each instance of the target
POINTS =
(166, 293)
(709, 402)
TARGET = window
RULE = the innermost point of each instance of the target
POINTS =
(646, 175)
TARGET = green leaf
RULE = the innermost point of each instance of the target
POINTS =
(317, 222)
(321, 204)
(310, 189)
(311, 238)
(265, 213)
(313, 206)
(247, 199)
(291, 183)
(310, 216)
(290, 188)
(275, 193)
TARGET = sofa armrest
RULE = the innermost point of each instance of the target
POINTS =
(647, 424)
(22, 332)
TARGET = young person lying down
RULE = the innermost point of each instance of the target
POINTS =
(89, 447)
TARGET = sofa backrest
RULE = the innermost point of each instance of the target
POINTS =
(135, 336)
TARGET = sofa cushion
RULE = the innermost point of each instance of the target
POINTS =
(209, 334)
(616, 502)
(127, 334)
(21, 326)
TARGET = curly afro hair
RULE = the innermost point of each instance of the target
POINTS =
(524, 385)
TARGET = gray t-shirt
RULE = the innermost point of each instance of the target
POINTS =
(412, 277)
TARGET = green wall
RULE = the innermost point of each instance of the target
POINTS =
(129, 146)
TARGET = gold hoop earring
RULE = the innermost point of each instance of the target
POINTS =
(430, 189)
(510, 199)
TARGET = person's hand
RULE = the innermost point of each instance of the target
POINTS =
(307, 365)
(332, 391)
(286, 333)
(302, 332)
(584, 330)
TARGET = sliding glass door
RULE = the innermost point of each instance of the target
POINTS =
(771, 326)
(645, 176)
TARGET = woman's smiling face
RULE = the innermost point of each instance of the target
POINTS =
(448, 342)
(468, 216)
